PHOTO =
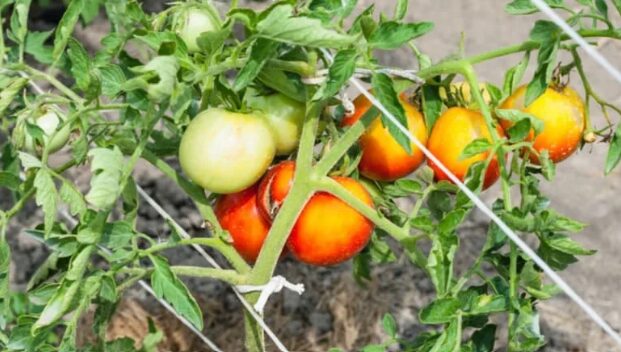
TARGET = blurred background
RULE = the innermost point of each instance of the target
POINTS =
(335, 311)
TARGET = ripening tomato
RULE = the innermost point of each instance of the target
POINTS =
(239, 214)
(274, 188)
(48, 121)
(226, 152)
(190, 21)
(328, 231)
(284, 116)
(383, 159)
(563, 116)
(454, 130)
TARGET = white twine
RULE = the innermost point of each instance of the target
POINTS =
(255, 315)
(487, 211)
(275, 285)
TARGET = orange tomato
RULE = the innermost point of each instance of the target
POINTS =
(563, 115)
(383, 159)
(274, 188)
(239, 214)
(453, 131)
(328, 231)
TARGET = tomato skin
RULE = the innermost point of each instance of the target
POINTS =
(563, 116)
(274, 187)
(192, 21)
(48, 122)
(328, 231)
(238, 213)
(383, 159)
(452, 132)
(226, 152)
(284, 116)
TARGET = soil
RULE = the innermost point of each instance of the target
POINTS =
(335, 310)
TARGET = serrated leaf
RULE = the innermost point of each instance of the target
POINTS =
(339, 73)
(19, 21)
(401, 9)
(386, 94)
(432, 104)
(280, 25)
(567, 245)
(168, 287)
(112, 79)
(78, 264)
(80, 63)
(390, 325)
(8, 94)
(35, 46)
(72, 197)
(58, 305)
(614, 151)
(392, 34)
(519, 131)
(513, 77)
(106, 166)
(548, 169)
(46, 197)
(261, 51)
(65, 27)
(9, 180)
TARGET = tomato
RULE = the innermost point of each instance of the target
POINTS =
(563, 116)
(453, 131)
(383, 159)
(239, 214)
(328, 231)
(226, 152)
(274, 188)
(191, 21)
(48, 121)
(285, 117)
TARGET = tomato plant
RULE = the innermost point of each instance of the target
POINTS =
(251, 104)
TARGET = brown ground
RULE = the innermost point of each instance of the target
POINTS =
(335, 311)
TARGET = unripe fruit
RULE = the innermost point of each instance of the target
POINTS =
(192, 21)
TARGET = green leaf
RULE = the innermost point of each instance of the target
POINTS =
(548, 34)
(339, 73)
(72, 197)
(9, 93)
(46, 197)
(390, 325)
(286, 84)
(281, 25)
(614, 152)
(9, 180)
(602, 7)
(386, 94)
(19, 21)
(210, 42)
(487, 304)
(440, 311)
(58, 305)
(476, 147)
(80, 64)
(168, 287)
(78, 264)
(261, 51)
(401, 9)
(65, 27)
(5, 262)
(526, 7)
(112, 79)
(29, 161)
(449, 340)
(567, 245)
(117, 234)
(432, 104)
(451, 221)
(374, 348)
(483, 339)
(519, 131)
(35, 46)
(513, 77)
(392, 34)
(106, 166)
(91, 10)
(516, 116)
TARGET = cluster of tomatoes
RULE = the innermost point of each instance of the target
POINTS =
(231, 153)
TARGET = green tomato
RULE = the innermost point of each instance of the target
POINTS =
(226, 152)
(192, 21)
(48, 122)
(285, 117)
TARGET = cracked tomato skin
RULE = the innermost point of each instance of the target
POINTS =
(563, 115)
(453, 131)
(383, 159)
(239, 214)
(226, 152)
(274, 188)
(328, 231)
